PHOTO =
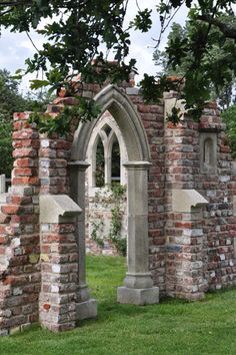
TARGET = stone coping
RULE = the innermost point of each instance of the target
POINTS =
(55, 207)
(184, 200)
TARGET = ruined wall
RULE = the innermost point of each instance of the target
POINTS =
(219, 221)
(191, 246)
(36, 262)
(189, 251)
(200, 251)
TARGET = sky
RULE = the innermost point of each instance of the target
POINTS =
(15, 47)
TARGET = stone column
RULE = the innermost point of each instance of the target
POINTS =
(87, 307)
(138, 285)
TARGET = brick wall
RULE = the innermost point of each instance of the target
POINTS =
(189, 252)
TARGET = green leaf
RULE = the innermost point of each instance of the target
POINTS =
(37, 84)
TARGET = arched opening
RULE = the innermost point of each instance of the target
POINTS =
(100, 164)
(106, 200)
(115, 162)
(138, 285)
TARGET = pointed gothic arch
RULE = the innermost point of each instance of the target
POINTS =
(111, 98)
(138, 285)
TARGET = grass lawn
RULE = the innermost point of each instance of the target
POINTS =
(171, 327)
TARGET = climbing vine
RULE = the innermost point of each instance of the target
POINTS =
(97, 228)
(116, 220)
(115, 195)
(115, 231)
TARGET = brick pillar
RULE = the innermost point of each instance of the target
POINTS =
(185, 256)
(54, 154)
(59, 257)
(60, 303)
(19, 233)
(185, 242)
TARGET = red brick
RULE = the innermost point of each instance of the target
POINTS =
(21, 116)
(25, 180)
(24, 152)
(25, 162)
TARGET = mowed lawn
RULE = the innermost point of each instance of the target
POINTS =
(171, 327)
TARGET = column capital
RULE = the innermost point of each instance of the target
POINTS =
(80, 164)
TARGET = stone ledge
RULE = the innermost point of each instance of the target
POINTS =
(55, 208)
(184, 200)
(139, 297)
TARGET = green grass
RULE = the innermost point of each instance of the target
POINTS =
(171, 327)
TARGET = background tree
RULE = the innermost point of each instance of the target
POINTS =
(12, 101)
(229, 117)
(223, 93)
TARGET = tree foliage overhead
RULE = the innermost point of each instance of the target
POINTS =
(216, 61)
(73, 35)
(77, 28)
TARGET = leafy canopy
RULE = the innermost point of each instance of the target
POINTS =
(217, 62)
(77, 28)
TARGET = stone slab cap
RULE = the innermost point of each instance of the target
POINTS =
(184, 200)
(56, 207)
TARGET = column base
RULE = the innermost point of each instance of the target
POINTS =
(139, 297)
(83, 293)
(138, 280)
(86, 310)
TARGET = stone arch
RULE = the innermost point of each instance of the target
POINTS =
(138, 285)
(121, 108)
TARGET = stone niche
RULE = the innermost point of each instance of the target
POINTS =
(208, 152)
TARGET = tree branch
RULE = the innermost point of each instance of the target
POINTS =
(14, 3)
(227, 30)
